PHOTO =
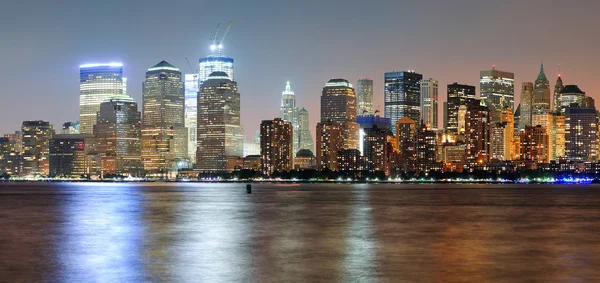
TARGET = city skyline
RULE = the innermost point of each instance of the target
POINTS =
(260, 77)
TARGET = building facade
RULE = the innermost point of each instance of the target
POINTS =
(36, 147)
(581, 134)
(215, 63)
(289, 112)
(497, 89)
(330, 140)
(220, 133)
(457, 95)
(429, 103)
(276, 146)
(338, 104)
(477, 135)
(306, 140)
(164, 136)
(402, 96)
(364, 100)
(192, 86)
(99, 83)
(526, 105)
(67, 155)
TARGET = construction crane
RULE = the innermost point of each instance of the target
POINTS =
(190, 65)
(213, 44)
(220, 44)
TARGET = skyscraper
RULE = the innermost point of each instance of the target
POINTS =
(429, 103)
(407, 144)
(220, 134)
(164, 136)
(330, 140)
(289, 112)
(526, 105)
(118, 138)
(338, 104)
(402, 96)
(426, 150)
(458, 94)
(364, 101)
(276, 144)
(215, 63)
(497, 89)
(557, 88)
(534, 145)
(581, 133)
(569, 95)
(192, 87)
(541, 97)
(36, 147)
(99, 83)
(477, 132)
(306, 140)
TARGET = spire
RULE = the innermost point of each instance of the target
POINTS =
(541, 75)
(288, 89)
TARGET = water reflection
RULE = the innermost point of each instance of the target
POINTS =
(102, 234)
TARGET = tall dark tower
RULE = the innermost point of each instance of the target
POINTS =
(557, 88)
(541, 97)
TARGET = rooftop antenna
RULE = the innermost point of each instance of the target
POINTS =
(558, 70)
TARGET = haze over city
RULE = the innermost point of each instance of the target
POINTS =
(305, 42)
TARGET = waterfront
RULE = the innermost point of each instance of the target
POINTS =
(193, 232)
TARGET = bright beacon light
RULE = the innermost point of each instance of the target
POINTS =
(213, 47)
(114, 64)
(220, 46)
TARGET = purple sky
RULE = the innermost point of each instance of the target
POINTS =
(307, 42)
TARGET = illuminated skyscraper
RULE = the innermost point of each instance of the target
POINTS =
(364, 99)
(526, 105)
(117, 140)
(558, 132)
(429, 103)
(338, 104)
(220, 134)
(216, 63)
(276, 143)
(557, 88)
(569, 95)
(406, 139)
(36, 147)
(541, 97)
(534, 145)
(477, 132)
(497, 89)
(330, 140)
(99, 83)
(164, 136)
(191, 112)
(289, 112)
(306, 140)
(458, 94)
(402, 96)
(581, 134)
(426, 150)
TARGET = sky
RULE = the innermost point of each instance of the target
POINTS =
(42, 44)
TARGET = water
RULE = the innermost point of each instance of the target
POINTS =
(86, 232)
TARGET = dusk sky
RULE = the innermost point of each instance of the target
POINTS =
(272, 41)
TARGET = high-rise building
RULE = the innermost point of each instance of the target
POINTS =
(70, 128)
(581, 134)
(338, 104)
(558, 131)
(99, 83)
(306, 140)
(406, 144)
(374, 132)
(402, 96)
(426, 150)
(501, 141)
(215, 63)
(117, 139)
(289, 112)
(534, 145)
(526, 105)
(429, 103)
(544, 118)
(36, 147)
(15, 142)
(364, 100)
(477, 135)
(458, 94)
(67, 155)
(220, 133)
(192, 87)
(350, 160)
(10, 160)
(570, 94)
(330, 140)
(276, 144)
(497, 89)
(462, 115)
(164, 136)
(541, 96)
(557, 88)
